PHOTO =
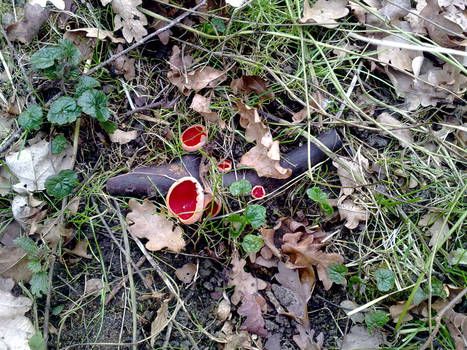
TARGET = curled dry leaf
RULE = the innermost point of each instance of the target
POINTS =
(352, 213)
(186, 272)
(202, 105)
(252, 83)
(354, 175)
(305, 253)
(398, 128)
(97, 33)
(324, 12)
(266, 161)
(251, 309)
(268, 239)
(128, 18)
(125, 66)
(81, 249)
(160, 321)
(255, 129)
(196, 80)
(156, 228)
(123, 137)
(358, 338)
(306, 339)
(34, 17)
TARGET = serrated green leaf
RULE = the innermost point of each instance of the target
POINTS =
(337, 272)
(315, 193)
(46, 57)
(94, 103)
(63, 111)
(252, 243)
(376, 319)
(326, 208)
(36, 342)
(255, 215)
(35, 265)
(238, 223)
(31, 119)
(59, 143)
(61, 184)
(384, 280)
(85, 83)
(70, 52)
(109, 127)
(28, 245)
(240, 187)
(39, 283)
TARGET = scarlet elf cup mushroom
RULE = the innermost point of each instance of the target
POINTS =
(194, 137)
(212, 205)
(185, 200)
(224, 165)
(258, 192)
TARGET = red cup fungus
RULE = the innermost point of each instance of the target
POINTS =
(194, 137)
(185, 200)
(258, 192)
(212, 207)
(224, 165)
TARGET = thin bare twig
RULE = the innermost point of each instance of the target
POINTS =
(159, 104)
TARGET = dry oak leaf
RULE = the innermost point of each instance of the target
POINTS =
(125, 66)
(123, 137)
(399, 58)
(252, 83)
(34, 17)
(401, 130)
(304, 253)
(353, 179)
(266, 161)
(196, 80)
(178, 61)
(352, 213)
(202, 105)
(255, 129)
(156, 228)
(244, 282)
(251, 309)
(128, 18)
(324, 12)
(97, 33)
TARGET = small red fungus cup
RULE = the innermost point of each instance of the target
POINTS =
(194, 137)
(185, 200)
(224, 165)
(212, 207)
(258, 192)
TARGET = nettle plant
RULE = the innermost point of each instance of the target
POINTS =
(60, 64)
(254, 216)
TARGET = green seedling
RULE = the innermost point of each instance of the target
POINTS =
(316, 194)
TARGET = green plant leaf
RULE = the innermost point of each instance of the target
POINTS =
(59, 143)
(28, 245)
(255, 215)
(356, 284)
(419, 296)
(437, 288)
(31, 118)
(57, 309)
(240, 187)
(39, 283)
(384, 280)
(85, 83)
(35, 265)
(94, 103)
(238, 223)
(69, 51)
(326, 208)
(61, 184)
(63, 111)
(45, 57)
(252, 243)
(315, 193)
(36, 342)
(108, 126)
(376, 319)
(337, 272)
(218, 24)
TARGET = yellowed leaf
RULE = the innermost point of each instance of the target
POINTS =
(324, 12)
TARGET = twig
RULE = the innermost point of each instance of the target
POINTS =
(6, 145)
(143, 40)
(159, 104)
(440, 315)
(120, 284)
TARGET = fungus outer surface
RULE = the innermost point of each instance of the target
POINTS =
(258, 192)
(212, 207)
(183, 199)
(193, 135)
(224, 165)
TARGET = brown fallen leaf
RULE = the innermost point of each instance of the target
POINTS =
(352, 213)
(97, 33)
(81, 249)
(255, 129)
(165, 35)
(268, 239)
(399, 58)
(196, 80)
(324, 12)
(123, 137)
(251, 309)
(124, 65)
(252, 83)
(93, 286)
(352, 177)
(398, 128)
(202, 105)
(266, 161)
(186, 273)
(64, 17)
(84, 44)
(14, 264)
(305, 253)
(359, 338)
(160, 321)
(156, 228)
(178, 61)
(305, 339)
(34, 17)
(128, 18)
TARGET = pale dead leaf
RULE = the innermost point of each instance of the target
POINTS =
(22, 211)
(123, 137)
(81, 249)
(399, 58)
(124, 65)
(93, 286)
(349, 304)
(260, 159)
(179, 62)
(165, 35)
(186, 273)
(398, 128)
(196, 80)
(60, 4)
(128, 18)
(156, 228)
(306, 339)
(352, 177)
(52, 232)
(33, 164)
(84, 44)
(160, 321)
(25, 31)
(202, 105)
(97, 33)
(436, 227)
(324, 12)
(358, 338)
(251, 309)
(268, 239)
(255, 129)
(252, 83)
(223, 310)
(13, 264)
(15, 328)
(352, 213)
